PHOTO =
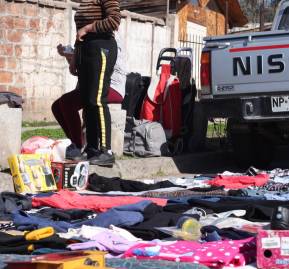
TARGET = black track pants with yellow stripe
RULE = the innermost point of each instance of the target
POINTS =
(95, 62)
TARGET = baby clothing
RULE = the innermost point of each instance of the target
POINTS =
(231, 253)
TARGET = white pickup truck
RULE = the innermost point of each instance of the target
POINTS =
(245, 78)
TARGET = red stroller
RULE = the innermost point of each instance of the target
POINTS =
(167, 99)
(164, 97)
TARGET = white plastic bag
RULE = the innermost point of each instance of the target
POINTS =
(41, 144)
(58, 149)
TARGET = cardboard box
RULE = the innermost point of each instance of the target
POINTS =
(273, 249)
(70, 175)
(31, 173)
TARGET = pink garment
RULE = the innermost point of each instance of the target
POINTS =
(239, 182)
(32, 144)
(66, 199)
(213, 254)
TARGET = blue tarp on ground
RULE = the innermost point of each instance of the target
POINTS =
(120, 263)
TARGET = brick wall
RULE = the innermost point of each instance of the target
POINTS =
(29, 63)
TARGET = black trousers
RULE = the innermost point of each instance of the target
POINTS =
(96, 57)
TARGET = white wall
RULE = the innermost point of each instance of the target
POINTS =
(196, 29)
(70, 81)
(143, 41)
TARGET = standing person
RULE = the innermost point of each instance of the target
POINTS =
(94, 60)
(66, 108)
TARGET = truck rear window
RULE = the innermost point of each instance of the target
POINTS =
(284, 23)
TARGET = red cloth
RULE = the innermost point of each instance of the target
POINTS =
(239, 182)
(66, 199)
(164, 103)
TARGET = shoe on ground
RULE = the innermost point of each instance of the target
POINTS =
(103, 158)
(91, 152)
(73, 153)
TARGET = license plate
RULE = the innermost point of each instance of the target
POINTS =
(280, 103)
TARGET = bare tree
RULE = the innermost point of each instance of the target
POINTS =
(252, 9)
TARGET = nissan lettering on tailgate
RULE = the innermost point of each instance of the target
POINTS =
(243, 65)
(251, 69)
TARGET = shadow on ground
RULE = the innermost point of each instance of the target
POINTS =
(218, 158)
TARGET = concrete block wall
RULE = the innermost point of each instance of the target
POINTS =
(143, 37)
(10, 131)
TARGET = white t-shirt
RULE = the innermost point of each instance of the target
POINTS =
(118, 78)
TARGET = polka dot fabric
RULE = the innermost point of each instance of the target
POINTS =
(217, 254)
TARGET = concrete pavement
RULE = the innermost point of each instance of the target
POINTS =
(154, 168)
(140, 168)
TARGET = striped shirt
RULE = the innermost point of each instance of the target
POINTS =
(104, 14)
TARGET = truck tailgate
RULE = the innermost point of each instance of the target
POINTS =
(251, 65)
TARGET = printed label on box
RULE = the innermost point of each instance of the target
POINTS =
(284, 252)
(31, 173)
(71, 175)
(282, 261)
(271, 242)
(285, 243)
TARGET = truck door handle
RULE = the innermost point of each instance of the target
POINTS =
(218, 45)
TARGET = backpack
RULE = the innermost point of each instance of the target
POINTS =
(135, 90)
(144, 138)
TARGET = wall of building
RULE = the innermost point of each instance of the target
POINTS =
(215, 23)
(143, 40)
(212, 20)
(30, 65)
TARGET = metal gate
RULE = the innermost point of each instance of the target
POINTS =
(196, 43)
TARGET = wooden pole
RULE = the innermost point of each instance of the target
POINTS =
(168, 7)
(227, 17)
(262, 8)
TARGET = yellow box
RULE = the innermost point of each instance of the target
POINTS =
(32, 173)
(67, 260)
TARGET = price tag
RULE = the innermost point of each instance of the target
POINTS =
(271, 242)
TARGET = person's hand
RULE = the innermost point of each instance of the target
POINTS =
(60, 49)
(61, 52)
(72, 66)
(83, 31)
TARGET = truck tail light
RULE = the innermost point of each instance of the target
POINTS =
(206, 72)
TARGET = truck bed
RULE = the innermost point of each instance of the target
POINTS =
(249, 64)
(249, 70)
(246, 36)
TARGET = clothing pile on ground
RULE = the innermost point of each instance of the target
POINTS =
(133, 220)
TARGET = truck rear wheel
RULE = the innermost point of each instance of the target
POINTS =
(250, 147)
